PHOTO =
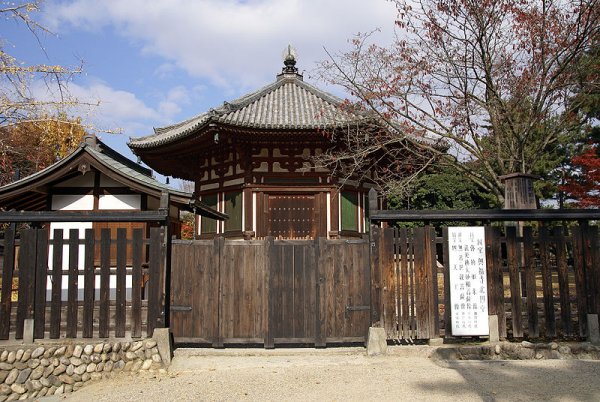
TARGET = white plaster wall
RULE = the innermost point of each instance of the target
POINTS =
(359, 211)
(264, 167)
(233, 182)
(72, 202)
(120, 202)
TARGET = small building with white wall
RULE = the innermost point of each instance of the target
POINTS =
(95, 177)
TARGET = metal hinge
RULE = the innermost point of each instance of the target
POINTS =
(350, 309)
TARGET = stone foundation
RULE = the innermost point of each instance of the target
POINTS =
(58, 369)
(519, 351)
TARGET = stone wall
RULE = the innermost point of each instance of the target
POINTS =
(519, 351)
(57, 369)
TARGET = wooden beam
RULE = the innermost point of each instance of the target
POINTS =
(84, 216)
(487, 215)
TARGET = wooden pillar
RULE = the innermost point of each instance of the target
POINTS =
(334, 204)
(519, 194)
(162, 267)
(248, 206)
(375, 271)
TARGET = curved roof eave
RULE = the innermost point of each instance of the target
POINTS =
(111, 168)
(42, 174)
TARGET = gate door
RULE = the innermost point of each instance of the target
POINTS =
(270, 291)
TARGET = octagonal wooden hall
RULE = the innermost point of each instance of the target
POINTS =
(251, 159)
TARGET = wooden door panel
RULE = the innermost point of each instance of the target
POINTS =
(291, 216)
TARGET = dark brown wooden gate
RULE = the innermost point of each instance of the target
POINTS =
(270, 291)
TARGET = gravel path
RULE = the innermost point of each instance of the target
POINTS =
(346, 374)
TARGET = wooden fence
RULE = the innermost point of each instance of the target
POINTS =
(543, 280)
(270, 291)
(100, 285)
(542, 283)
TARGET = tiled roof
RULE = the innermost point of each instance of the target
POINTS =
(108, 157)
(128, 168)
(288, 103)
(114, 161)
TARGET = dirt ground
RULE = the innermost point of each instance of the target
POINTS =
(347, 374)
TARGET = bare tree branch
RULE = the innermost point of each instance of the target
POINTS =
(491, 79)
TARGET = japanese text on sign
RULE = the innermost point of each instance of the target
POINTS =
(468, 280)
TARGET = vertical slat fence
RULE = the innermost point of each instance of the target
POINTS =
(48, 269)
(57, 266)
(40, 279)
(89, 284)
(535, 278)
(72, 306)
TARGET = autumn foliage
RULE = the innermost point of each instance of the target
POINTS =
(31, 146)
(583, 186)
(187, 226)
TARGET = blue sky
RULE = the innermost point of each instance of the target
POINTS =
(154, 63)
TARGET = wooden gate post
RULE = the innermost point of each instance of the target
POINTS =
(388, 282)
(154, 294)
(580, 278)
(376, 302)
(165, 259)
(591, 256)
(435, 303)
(375, 271)
(7, 280)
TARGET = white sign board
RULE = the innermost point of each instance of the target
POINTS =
(468, 280)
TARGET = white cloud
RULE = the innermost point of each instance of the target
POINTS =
(234, 44)
(165, 70)
(171, 105)
(108, 109)
(116, 110)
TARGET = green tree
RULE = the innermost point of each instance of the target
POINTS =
(447, 190)
(576, 178)
(443, 188)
